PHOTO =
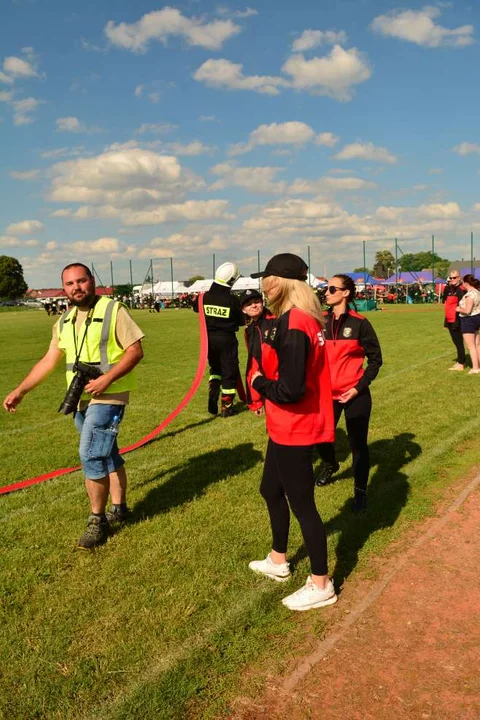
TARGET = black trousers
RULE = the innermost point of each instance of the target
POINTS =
(357, 419)
(223, 359)
(288, 480)
(457, 339)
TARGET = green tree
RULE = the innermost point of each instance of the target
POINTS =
(419, 261)
(12, 283)
(123, 289)
(361, 269)
(193, 279)
(384, 264)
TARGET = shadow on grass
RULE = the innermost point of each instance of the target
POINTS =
(388, 490)
(387, 494)
(189, 480)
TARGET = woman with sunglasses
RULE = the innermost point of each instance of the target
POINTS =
(350, 339)
(294, 382)
(451, 296)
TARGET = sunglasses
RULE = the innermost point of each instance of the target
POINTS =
(332, 289)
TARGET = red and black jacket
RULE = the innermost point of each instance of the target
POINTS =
(350, 340)
(296, 381)
(253, 340)
(451, 296)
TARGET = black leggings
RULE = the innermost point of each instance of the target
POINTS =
(457, 339)
(288, 480)
(357, 417)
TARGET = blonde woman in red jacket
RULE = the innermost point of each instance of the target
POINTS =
(295, 385)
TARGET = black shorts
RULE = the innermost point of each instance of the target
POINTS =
(470, 324)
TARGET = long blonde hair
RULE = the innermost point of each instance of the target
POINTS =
(293, 293)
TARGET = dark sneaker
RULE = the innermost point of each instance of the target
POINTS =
(117, 516)
(360, 500)
(227, 405)
(95, 534)
(326, 473)
(213, 395)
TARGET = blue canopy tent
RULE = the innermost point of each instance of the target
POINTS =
(410, 278)
(359, 278)
(467, 271)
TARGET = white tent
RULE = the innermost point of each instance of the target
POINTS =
(200, 286)
(164, 288)
(246, 283)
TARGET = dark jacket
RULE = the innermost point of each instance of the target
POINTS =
(221, 309)
(296, 381)
(254, 333)
(350, 340)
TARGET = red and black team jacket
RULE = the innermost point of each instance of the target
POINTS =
(350, 340)
(296, 381)
(451, 296)
(253, 340)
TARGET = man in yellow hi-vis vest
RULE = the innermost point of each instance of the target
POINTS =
(98, 333)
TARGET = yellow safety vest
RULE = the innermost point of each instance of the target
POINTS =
(100, 346)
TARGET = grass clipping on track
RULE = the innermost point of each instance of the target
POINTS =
(161, 621)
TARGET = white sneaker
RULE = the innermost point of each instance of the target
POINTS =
(310, 596)
(277, 571)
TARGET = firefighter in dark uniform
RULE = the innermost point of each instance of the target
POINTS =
(223, 317)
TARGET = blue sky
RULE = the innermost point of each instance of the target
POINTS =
(132, 131)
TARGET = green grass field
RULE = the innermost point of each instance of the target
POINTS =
(164, 620)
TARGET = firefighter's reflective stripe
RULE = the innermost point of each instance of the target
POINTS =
(216, 311)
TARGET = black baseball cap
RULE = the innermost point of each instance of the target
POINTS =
(250, 295)
(285, 265)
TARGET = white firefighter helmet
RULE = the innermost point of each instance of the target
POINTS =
(227, 273)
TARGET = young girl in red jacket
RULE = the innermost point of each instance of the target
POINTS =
(350, 339)
(294, 382)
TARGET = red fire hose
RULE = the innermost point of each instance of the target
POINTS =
(202, 363)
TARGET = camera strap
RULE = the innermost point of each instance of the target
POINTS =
(87, 324)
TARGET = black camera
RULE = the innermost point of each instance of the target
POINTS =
(83, 373)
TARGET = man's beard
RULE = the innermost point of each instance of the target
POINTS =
(84, 301)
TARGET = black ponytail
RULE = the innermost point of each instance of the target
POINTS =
(349, 285)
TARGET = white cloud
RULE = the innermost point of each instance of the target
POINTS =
(327, 138)
(225, 75)
(154, 97)
(313, 38)
(254, 179)
(155, 128)
(207, 118)
(25, 227)
(103, 245)
(240, 14)
(333, 75)
(6, 79)
(9, 241)
(366, 151)
(435, 171)
(418, 26)
(6, 96)
(288, 133)
(440, 210)
(73, 125)
(329, 184)
(24, 174)
(64, 152)
(23, 109)
(15, 67)
(189, 149)
(161, 24)
(189, 210)
(467, 148)
(138, 92)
